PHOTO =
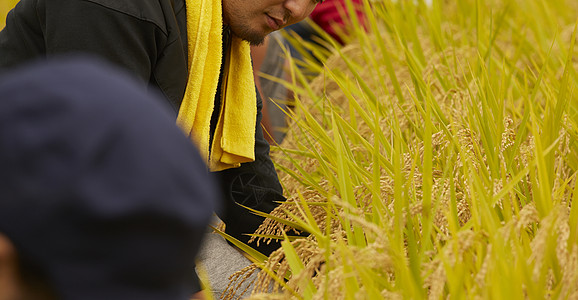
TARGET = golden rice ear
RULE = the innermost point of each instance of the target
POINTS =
(236, 288)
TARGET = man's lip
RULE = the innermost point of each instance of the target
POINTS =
(275, 23)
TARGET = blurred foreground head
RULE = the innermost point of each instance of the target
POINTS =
(101, 195)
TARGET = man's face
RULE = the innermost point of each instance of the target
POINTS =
(252, 20)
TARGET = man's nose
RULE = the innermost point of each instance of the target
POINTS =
(299, 10)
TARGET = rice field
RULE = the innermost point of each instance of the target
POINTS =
(433, 157)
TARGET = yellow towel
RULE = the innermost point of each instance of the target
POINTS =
(234, 138)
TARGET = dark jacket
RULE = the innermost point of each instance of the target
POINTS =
(148, 38)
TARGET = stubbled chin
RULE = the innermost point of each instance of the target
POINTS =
(254, 37)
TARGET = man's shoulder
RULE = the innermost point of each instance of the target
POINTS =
(153, 11)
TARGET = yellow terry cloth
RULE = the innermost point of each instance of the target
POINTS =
(234, 138)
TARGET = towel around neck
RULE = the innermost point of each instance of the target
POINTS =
(233, 141)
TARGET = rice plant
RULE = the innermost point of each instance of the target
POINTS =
(434, 156)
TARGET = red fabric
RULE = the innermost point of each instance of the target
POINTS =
(328, 16)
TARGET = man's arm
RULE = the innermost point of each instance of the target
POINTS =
(255, 185)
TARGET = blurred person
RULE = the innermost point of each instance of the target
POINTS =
(333, 18)
(101, 195)
(269, 58)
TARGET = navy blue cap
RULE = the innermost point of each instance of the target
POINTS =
(98, 186)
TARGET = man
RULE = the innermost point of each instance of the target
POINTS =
(101, 195)
(181, 47)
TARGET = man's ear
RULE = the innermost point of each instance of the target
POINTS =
(9, 282)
